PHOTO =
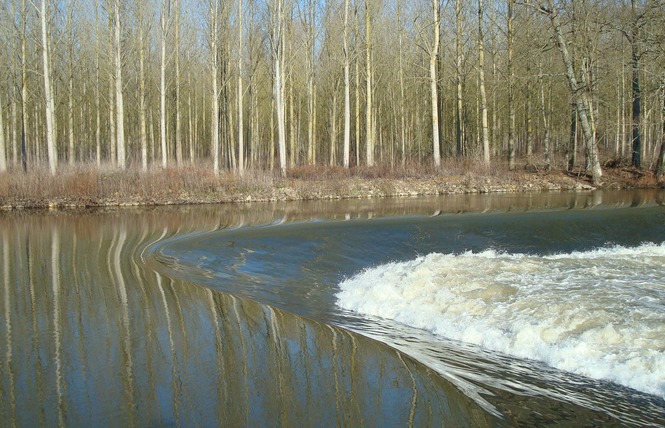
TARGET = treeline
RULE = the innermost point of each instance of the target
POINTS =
(275, 84)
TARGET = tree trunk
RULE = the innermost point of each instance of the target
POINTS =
(24, 88)
(120, 112)
(347, 88)
(369, 120)
(289, 81)
(459, 54)
(111, 100)
(660, 164)
(214, 92)
(433, 60)
(162, 82)
(580, 97)
(3, 153)
(357, 87)
(546, 123)
(571, 151)
(98, 112)
(637, 99)
(14, 142)
(511, 89)
(311, 75)
(142, 94)
(333, 128)
(178, 112)
(70, 94)
(241, 122)
(49, 104)
(484, 123)
(277, 42)
(402, 97)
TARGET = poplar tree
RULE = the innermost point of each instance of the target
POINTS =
(49, 104)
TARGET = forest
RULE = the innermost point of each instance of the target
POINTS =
(238, 85)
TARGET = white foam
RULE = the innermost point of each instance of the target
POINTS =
(599, 313)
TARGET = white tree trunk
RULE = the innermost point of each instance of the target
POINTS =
(98, 113)
(369, 121)
(483, 93)
(143, 137)
(347, 88)
(70, 94)
(241, 122)
(357, 81)
(24, 87)
(190, 113)
(311, 86)
(214, 70)
(120, 111)
(434, 56)
(402, 97)
(48, 93)
(582, 102)
(278, 79)
(111, 89)
(162, 83)
(178, 112)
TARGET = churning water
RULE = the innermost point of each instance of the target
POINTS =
(598, 313)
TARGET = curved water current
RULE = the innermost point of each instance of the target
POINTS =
(494, 310)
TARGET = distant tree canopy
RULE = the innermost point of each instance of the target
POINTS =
(275, 84)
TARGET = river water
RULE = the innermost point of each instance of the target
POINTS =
(479, 310)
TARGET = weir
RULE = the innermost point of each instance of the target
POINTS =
(202, 315)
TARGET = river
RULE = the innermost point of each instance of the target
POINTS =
(475, 310)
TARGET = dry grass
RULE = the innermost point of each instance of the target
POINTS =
(89, 185)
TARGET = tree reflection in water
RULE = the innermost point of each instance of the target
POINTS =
(92, 335)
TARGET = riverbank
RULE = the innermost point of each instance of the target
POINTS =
(103, 187)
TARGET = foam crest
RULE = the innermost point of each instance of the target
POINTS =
(599, 313)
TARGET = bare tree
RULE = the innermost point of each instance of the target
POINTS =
(347, 88)
(214, 89)
(143, 137)
(434, 80)
(459, 77)
(511, 87)
(164, 26)
(176, 101)
(483, 93)
(25, 120)
(581, 97)
(70, 94)
(369, 103)
(634, 39)
(402, 92)
(240, 96)
(49, 104)
(120, 111)
(98, 114)
(277, 50)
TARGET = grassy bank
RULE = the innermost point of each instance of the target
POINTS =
(90, 186)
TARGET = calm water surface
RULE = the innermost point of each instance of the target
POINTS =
(494, 310)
